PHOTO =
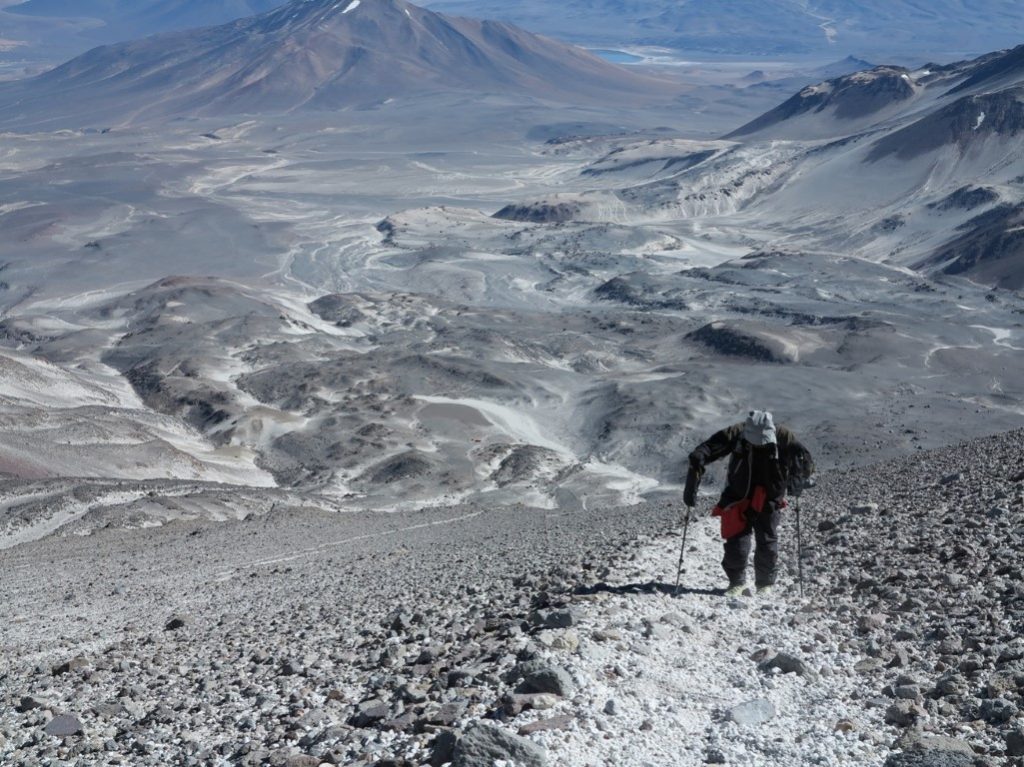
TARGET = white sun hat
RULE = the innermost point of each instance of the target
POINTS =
(759, 428)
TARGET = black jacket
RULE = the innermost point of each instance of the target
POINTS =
(778, 468)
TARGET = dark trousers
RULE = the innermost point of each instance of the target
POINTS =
(762, 526)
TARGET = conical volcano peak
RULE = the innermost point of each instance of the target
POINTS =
(324, 54)
(300, 13)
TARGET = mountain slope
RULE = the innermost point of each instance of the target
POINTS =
(933, 175)
(962, 123)
(992, 71)
(842, 104)
(318, 54)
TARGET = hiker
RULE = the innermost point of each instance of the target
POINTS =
(764, 462)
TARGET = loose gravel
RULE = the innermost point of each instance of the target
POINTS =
(474, 636)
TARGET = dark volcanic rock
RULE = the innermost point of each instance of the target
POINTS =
(64, 726)
(68, 666)
(1015, 742)
(368, 712)
(563, 722)
(30, 703)
(966, 198)
(341, 309)
(962, 123)
(991, 251)
(789, 664)
(522, 463)
(483, 744)
(992, 69)
(550, 679)
(443, 749)
(408, 465)
(559, 619)
(924, 759)
(858, 95)
(540, 212)
(176, 622)
(642, 291)
(736, 339)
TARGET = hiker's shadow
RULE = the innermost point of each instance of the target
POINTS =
(651, 587)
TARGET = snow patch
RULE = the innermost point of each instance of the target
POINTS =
(981, 119)
(1001, 336)
(510, 420)
(352, 6)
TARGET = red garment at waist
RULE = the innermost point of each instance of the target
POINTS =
(734, 516)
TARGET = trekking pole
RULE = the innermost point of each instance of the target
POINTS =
(799, 546)
(682, 551)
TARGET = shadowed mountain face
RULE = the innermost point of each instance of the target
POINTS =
(850, 99)
(960, 124)
(994, 70)
(947, 136)
(990, 250)
(321, 54)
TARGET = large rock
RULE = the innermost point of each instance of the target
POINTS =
(563, 722)
(68, 666)
(369, 712)
(443, 750)
(31, 702)
(789, 664)
(559, 619)
(998, 710)
(752, 712)
(904, 713)
(482, 745)
(178, 621)
(934, 759)
(917, 741)
(551, 679)
(64, 726)
(1015, 742)
(302, 760)
(869, 623)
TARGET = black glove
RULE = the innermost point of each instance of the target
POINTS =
(797, 485)
(692, 483)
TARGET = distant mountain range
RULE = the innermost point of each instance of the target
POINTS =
(132, 18)
(901, 31)
(320, 54)
(51, 31)
(881, 96)
(874, 28)
(928, 161)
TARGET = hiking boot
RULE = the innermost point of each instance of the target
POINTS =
(765, 591)
(736, 590)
